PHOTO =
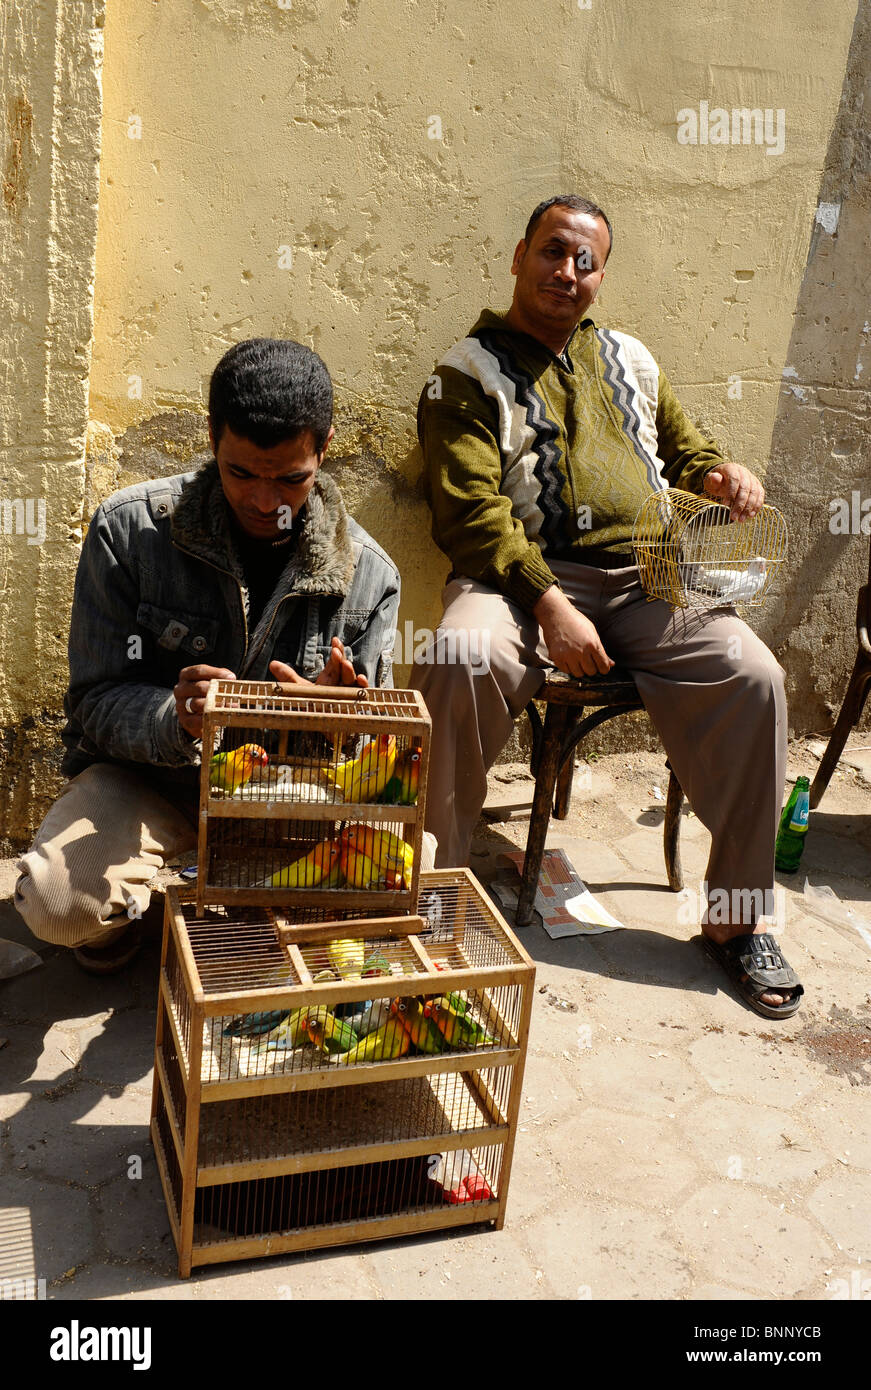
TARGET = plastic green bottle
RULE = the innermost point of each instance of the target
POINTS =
(792, 830)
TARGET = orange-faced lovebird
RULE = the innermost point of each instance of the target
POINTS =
(228, 771)
(402, 788)
(421, 1029)
(457, 1029)
(392, 857)
(311, 870)
(359, 870)
(327, 1032)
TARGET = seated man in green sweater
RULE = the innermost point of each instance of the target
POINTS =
(542, 435)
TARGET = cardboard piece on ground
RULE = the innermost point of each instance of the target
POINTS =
(566, 905)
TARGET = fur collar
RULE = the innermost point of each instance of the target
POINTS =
(322, 562)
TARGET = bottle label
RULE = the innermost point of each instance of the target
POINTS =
(798, 819)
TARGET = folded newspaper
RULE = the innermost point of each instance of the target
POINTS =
(566, 905)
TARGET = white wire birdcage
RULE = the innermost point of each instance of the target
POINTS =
(690, 554)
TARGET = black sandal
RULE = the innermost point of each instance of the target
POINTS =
(108, 960)
(756, 966)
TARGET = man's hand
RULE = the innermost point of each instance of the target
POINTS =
(737, 486)
(193, 686)
(572, 641)
(338, 670)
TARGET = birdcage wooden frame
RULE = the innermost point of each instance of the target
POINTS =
(470, 1096)
(283, 712)
(691, 555)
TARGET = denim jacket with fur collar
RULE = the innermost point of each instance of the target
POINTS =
(160, 587)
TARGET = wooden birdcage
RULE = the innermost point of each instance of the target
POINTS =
(690, 554)
(312, 797)
(274, 1132)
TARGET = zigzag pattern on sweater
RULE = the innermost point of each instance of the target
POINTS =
(556, 524)
(622, 394)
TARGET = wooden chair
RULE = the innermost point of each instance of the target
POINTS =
(554, 742)
(854, 700)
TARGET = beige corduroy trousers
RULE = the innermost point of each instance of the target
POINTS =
(711, 687)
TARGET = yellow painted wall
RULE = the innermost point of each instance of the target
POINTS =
(307, 124)
(50, 58)
(309, 127)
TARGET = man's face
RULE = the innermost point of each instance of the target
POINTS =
(260, 485)
(554, 288)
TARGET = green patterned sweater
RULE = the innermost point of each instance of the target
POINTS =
(529, 457)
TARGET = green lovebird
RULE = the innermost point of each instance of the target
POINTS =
(422, 1030)
(376, 964)
(327, 1032)
(457, 1030)
(389, 1041)
(402, 788)
(228, 771)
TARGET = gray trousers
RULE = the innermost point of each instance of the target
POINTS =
(712, 689)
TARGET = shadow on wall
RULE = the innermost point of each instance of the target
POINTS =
(820, 452)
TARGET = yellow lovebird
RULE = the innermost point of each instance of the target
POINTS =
(388, 1042)
(228, 771)
(347, 957)
(393, 858)
(361, 872)
(364, 778)
(311, 870)
(289, 1034)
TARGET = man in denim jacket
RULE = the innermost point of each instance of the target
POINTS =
(247, 568)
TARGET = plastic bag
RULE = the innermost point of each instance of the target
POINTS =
(15, 959)
(825, 901)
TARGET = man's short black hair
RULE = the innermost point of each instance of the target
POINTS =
(269, 390)
(568, 200)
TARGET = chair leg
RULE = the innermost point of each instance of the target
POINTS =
(671, 834)
(536, 730)
(563, 799)
(851, 709)
(555, 724)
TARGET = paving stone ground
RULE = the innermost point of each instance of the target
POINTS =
(672, 1144)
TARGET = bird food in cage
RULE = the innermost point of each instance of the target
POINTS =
(318, 1082)
(313, 792)
(692, 555)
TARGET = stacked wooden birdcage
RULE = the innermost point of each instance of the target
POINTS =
(329, 1069)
